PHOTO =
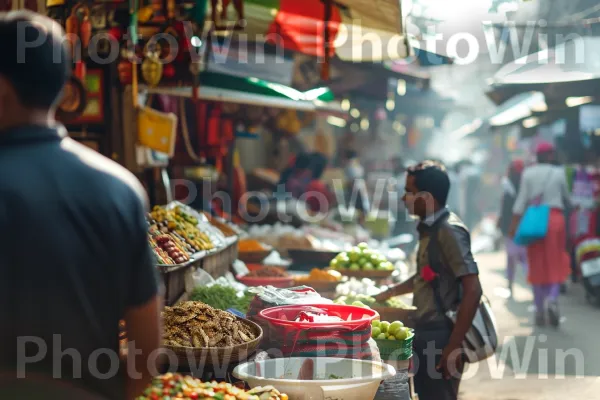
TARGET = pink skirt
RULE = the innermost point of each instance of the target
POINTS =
(548, 258)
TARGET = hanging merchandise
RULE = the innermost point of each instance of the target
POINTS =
(124, 70)
(152, 68)
(157, 130)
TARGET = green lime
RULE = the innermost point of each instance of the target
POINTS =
(375, 332)
(384, 326)
(368, 266)
(362, 261)
(354, 267)
(363, 246)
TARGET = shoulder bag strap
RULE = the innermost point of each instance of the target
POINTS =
(434, 259)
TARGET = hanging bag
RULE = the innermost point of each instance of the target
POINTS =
(534, 223)
(481, 340)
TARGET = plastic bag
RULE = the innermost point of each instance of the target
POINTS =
(201, 278)
(292, 296)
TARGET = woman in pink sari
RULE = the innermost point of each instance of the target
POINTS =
(545, 183)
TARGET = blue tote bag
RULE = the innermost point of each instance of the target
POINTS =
(534, 223)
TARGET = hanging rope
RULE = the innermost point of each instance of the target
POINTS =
(186, 133)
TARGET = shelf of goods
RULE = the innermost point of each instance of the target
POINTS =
(183, 240)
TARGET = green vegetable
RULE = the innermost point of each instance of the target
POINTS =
(222, 297)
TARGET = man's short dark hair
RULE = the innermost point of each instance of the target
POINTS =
(33, 58)
(431, 177)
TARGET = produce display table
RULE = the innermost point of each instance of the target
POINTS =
(178, 278)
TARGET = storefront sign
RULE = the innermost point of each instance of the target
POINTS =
(251, 62)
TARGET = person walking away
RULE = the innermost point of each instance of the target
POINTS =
(515, 254)
(548, 260)
(296, 177)
(318, 196)
(75, 253)
(438, 375)
(355, 190)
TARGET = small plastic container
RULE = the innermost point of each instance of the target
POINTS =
(396, 350)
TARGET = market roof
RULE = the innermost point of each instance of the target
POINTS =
(565, 70)
(233, 89)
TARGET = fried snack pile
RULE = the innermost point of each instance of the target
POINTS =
(176, 386)
(195, 324)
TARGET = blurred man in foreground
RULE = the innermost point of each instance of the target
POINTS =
(457, 282)
(75, 258)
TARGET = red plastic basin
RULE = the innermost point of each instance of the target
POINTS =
(354, 318)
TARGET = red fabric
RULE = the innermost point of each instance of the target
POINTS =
(298, 183)
(548, 259)
(544, 147)
(318, 196)
(300, 26)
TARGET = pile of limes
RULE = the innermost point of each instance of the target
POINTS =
(361, 258)
(384, 330)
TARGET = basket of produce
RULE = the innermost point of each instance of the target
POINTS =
(392, 309)
(393, 339)
(320, 280)
(196, 331)
(252, 251)
(177, 386)
(362, 262)
(180, 228)
(267, 276)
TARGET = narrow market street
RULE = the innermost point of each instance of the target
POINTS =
(515, 376)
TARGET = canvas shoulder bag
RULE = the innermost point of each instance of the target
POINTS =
(481, 340)
(534, 223)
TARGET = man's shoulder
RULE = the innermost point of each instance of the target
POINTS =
(114, 178)
(454, 225)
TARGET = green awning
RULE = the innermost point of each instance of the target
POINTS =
(254, 91)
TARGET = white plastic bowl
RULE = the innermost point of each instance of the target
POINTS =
(358, 380)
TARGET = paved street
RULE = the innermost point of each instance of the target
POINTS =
(536, 363)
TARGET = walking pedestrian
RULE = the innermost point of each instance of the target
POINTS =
(75, 254)
(515, 254)
(438, 342)
(548, 261)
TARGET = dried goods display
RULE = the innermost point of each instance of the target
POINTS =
(317, 274)
(182, 224)
(223, 226)
(176, 386)
(250, 245)
(268, 272)
(195, 324)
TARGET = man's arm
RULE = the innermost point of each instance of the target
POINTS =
(144, 334)
(397, 290)
(456, 251)
(469, 304)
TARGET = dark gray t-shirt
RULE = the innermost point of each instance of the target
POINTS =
(454, 248)
(74, 256)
